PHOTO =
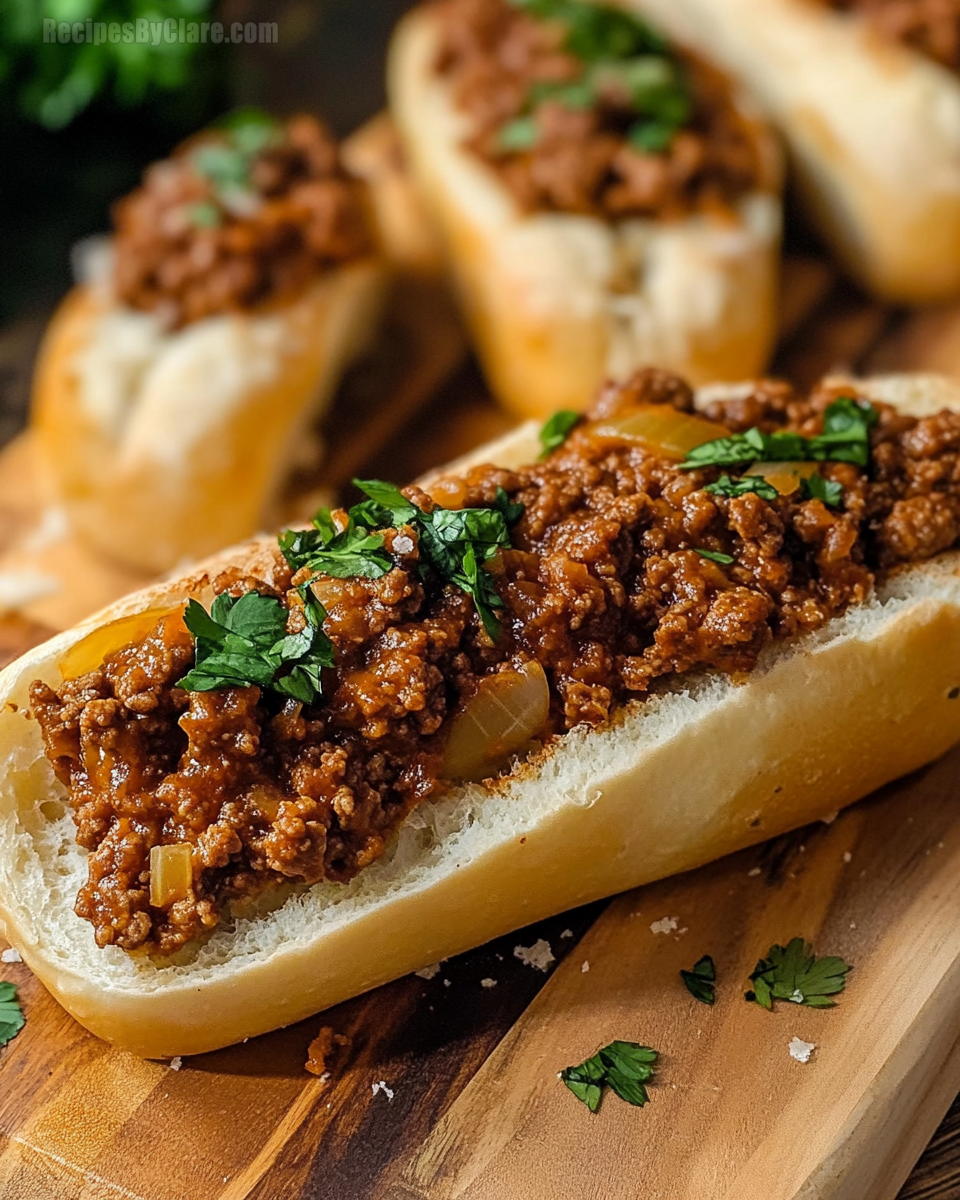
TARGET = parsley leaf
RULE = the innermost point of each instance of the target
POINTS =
(845, 438)
(11, 1015)
(624, 1067)
(701, 981)
(455, 543)
(388, 500)
(715, 556)
(521, 133)
(818, 488)
(244, 641)
(556, 431)
(204, 215)
(596, 31)
(622, 56)
(846, 433)
(794, 973)
(228, 163)
(725, 486)
(348, 554)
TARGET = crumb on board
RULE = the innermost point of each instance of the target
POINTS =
(753, 872)
(488, 983)
(326, 1051)
(830, 817)
(539, 955)
(567, 933)
(381, 1086)
(585, 967)
(801, 1050)
(176, 1063)
(11, 956)
(665, 925)
(847, 856)
(431, 971)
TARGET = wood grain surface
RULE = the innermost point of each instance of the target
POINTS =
(449, 1089)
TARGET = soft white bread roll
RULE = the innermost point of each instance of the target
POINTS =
(543, 293)
(406, 234)
(873, 129)
(165, 446)
(675, 781)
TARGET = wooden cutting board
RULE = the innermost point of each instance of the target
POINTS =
(449, 1089)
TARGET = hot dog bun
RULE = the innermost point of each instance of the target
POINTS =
(689, 775)
(165, 446)
(539, 290)
(873, 129)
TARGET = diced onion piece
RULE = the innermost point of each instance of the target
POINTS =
(784, 476)
(662, 430)
(88, 654)
(507, 710)
(171, 873)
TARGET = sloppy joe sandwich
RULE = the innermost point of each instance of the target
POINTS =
(179, 384)
(606, 200)
(866, 94)
(654, 634)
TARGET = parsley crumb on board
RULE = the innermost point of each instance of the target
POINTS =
(12, 1019)
(793, 973)
(624, 1067)
(701, 980)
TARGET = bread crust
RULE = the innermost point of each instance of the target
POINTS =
(538, 290)
(675, 781)
(163, 448)
(873, 130)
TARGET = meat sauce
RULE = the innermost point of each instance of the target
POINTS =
(236, 219)
(499, 59)
(930, 26)
(605, 585)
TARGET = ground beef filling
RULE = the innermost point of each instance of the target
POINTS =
(214, 229)
(603, 586)
(495, 55)
(930, 26)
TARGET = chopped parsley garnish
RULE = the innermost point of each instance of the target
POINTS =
(204, 215)
(795, 974)
(595, 31)
(813, 487)
(701, 981)
(715, 556)
(455, 543)
(11, 1015)
(227, 164)
(845, 438)
(522, 133)
(556, 431)
(818, 488)
(624, 59)
(624, 1067)
(244, 641)
(352, 553)
(725, 486)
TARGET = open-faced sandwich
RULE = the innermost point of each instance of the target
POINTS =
(177, 386)
(867, 96)
(671, 628)
(606, 200)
